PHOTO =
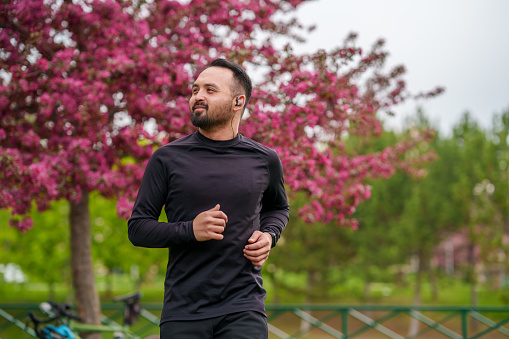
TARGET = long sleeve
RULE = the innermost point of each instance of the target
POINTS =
(275, 208)
(144, 229)
(191, 175)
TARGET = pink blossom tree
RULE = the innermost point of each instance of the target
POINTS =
(90, 88)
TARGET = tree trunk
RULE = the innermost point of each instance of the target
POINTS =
(367, 292)
(472, 279)
(414, 323)
(305, 326)
(434, 284)
(367, 296)
(85, 293)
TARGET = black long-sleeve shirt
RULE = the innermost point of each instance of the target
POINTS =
(192, 175)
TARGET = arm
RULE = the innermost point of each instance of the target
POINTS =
(144, 229)
(275, 208)
(273, 216)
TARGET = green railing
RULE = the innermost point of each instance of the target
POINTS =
(379, 321)
(323, 321)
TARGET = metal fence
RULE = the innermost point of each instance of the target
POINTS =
(381, 321)
(323, 321)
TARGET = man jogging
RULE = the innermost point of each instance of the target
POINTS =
(226, 205)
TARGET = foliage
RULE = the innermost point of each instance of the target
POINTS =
(464, 191)
(481, 191)
(112, 250)
(43, 256)
(328, 255)
(86, 82)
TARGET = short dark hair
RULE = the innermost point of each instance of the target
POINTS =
(241, 79)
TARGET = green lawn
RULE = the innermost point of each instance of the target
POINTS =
(451, 292)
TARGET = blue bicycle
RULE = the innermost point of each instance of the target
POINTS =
(60, 322)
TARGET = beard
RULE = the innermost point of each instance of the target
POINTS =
(213, 118)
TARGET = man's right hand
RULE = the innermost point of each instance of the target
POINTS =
(209, 225)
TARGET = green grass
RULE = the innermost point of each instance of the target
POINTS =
(350, 291)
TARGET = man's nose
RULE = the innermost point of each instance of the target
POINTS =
(200, 96)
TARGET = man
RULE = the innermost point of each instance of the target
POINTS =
(226, 206)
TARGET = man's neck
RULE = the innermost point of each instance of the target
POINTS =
(221, 134)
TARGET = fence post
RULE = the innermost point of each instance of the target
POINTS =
(344, 316)
(464, 323)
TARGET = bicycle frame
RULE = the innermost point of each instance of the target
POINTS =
(118, 332)
(61, 314)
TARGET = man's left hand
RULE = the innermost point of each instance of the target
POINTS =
(258, 249)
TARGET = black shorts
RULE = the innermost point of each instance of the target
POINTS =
(242, 325)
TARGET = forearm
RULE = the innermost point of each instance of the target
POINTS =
(274, 221)
(146, 232)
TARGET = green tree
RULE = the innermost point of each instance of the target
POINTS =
(44, 255)
(114, 252)
(473, 167)
(315, 253)
(326, 251)
(382, 226)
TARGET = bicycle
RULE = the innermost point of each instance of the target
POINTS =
(61, 323)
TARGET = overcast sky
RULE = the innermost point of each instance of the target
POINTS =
(462, 45)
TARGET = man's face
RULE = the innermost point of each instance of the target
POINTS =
(211, 102)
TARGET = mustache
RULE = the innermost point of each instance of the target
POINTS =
(201, 104)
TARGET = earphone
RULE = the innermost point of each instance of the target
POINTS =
(237, 104)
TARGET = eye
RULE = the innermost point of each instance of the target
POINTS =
(210, 90)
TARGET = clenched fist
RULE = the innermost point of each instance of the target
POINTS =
(258, 248)
(209, 225)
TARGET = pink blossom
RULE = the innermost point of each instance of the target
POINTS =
(4, 102)
(43, 64)
(22, 224)
(69, 138)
